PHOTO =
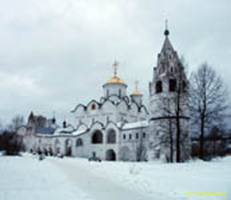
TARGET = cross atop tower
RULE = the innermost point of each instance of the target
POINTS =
(166, 24)
(166, 32)
(115, 67)
(136, 85)
(53, 114)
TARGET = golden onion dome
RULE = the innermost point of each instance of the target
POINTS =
(136, 91)
(115, 80)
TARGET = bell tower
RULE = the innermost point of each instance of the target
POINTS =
(168, 102)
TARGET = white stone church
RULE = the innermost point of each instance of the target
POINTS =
(119, 126)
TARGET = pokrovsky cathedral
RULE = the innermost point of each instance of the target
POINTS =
(119, 126)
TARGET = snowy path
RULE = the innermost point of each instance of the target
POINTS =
(129, 180)
(97, 187)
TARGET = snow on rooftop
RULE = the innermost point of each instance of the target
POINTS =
(79, 131)
(132, 125)
(68, 129)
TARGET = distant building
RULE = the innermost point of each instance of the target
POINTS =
(36, 124)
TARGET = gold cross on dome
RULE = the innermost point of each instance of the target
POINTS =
(115, 66)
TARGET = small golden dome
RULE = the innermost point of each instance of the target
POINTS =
(136, 92)
(115, 80)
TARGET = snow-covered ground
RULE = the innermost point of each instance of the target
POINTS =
(26, 178)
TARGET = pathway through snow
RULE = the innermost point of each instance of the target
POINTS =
(97, 187)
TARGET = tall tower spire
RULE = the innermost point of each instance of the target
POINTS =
(136, 85)
(167, 44)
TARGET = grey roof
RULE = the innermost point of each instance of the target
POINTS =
(167, 45)
(47, 131)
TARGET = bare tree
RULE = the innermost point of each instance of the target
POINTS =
(167, 127)
(208, 101)
(181, 110)
(16, 123)
(1, 126)
(178, 111)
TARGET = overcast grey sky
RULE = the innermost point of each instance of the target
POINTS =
(57, 53)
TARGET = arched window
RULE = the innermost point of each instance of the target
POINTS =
(97, 137)
(130, 136)
(158, 86)
(124, 136)
(111, 136)
(137, 135)
(93, 106)
(120, 92)
(144, 135)
(79, 142)
(172, 85)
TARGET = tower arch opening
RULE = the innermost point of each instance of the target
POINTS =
(159, 87)
(172, 85)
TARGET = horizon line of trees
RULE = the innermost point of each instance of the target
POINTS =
(10, 142)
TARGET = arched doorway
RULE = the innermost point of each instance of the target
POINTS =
(110, 155)
(68, 147)
(79, 147)
(57, 147)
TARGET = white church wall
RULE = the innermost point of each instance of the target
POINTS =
(115, 89)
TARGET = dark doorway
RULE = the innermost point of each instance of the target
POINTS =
(110, 155)
(68, 147)
(97, 137)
